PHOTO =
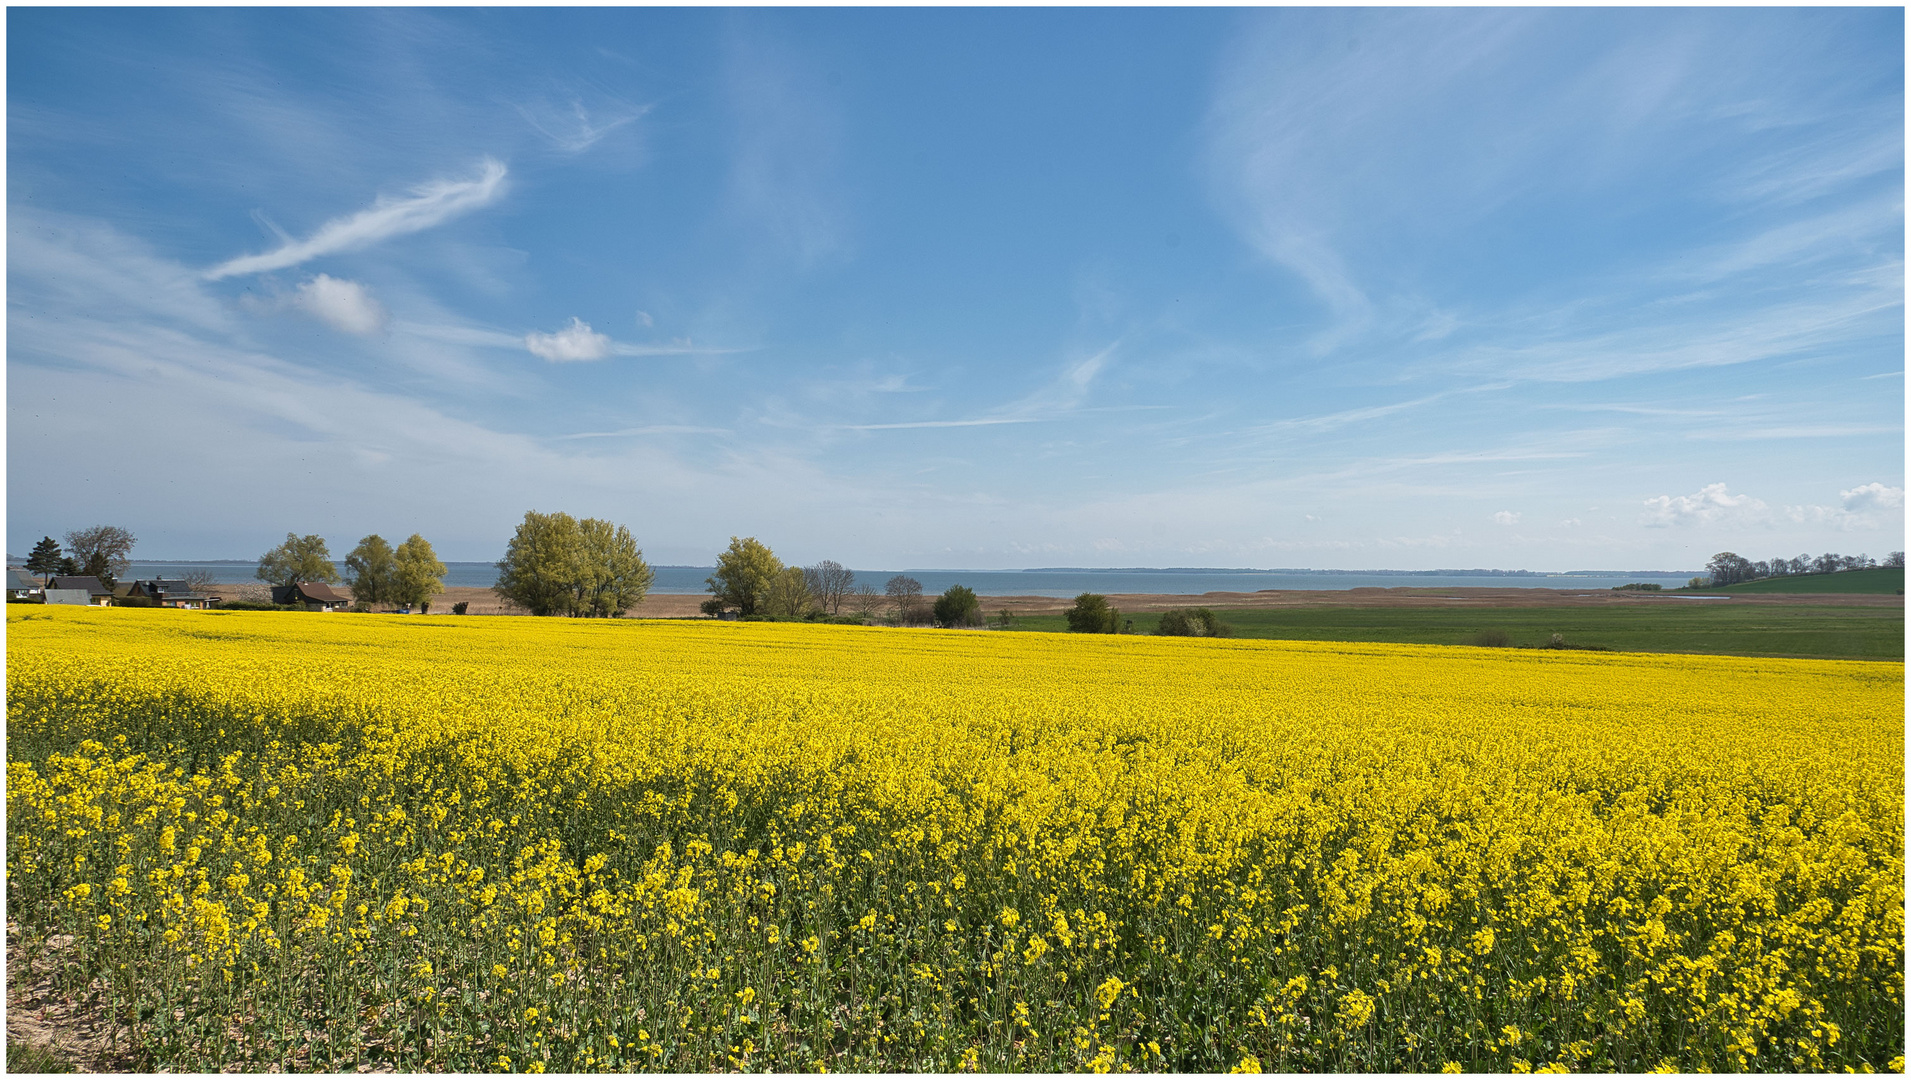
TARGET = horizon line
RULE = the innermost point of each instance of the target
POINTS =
(1454, 571)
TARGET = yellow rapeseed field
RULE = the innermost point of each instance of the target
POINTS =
(287, 841)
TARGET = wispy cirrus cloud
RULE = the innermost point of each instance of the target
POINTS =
(431, 203)
(573, 127)
(1058, 399)
(1358, 166)
(788, 135)
(646, 429)
(983, 421)
(572, 343)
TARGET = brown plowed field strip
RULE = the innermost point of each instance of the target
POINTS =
(679, 606)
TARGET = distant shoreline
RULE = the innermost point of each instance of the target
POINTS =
(692, 580)
(1087, 569)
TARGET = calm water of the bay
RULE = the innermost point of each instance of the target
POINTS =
(1062, 583)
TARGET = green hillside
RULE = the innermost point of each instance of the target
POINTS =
(1881, 580)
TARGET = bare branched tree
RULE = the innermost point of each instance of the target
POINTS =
(830, 583)
(102, 551)
(905, 596)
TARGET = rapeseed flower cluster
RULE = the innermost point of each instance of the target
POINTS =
(286, 842)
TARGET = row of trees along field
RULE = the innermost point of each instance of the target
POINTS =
(559, 565)
(1729, 568)
(751, 582)
(408, 575)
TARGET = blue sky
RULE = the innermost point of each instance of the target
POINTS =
(1396, 288)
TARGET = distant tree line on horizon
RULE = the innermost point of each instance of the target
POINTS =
(586, 568)
(1729, 568)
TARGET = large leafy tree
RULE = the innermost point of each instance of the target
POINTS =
(1729, 568)
(372, 570)
(300, 558)
(559, 565)
(1092, 615)
(615, 577)
(958, 607)
(45, 557)
(746, 573)
(540, 564)
(417, 575)
(790, 594)
(102, 551)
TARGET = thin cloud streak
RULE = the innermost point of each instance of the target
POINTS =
(432, 203)
(987, 422)
(650, 429)
(501, 339)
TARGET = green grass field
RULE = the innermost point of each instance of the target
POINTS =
(1685, 626)
(1882, 580)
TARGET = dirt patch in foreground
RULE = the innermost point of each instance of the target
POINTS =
(76, 1032)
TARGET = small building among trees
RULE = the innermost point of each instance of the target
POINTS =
(165, 592)
(310, 595)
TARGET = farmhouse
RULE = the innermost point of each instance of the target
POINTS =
(23, 586)
(310, 595)
(78, 589)
(164, 592)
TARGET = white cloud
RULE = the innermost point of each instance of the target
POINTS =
(342, 304)
(1506, 517)
(575, 342)
(431, 203)
(1710, 504)
(1873, 496)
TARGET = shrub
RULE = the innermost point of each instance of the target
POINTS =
(1558, 641)
(958, 607)
(1092, 615)
(461, 607)
(133, 601)
(1642, 586)
(1492, 639)
(1192, 622)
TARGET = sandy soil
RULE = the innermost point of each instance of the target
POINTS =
(71, 1030)
(676, 606)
